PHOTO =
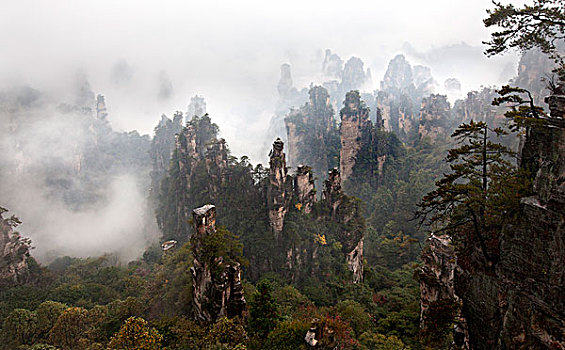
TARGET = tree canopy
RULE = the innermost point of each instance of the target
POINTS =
(539, 25)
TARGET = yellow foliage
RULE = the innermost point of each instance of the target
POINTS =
(135, 334)
(298, 206)
(320, 239)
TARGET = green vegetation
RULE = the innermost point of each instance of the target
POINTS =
(480, 195)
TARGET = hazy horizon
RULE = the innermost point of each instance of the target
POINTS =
(149, 58)
(229, 53)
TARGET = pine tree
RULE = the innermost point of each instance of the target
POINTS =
(480, 194)
(263, 310)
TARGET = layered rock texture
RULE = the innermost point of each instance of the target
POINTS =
(216, 283)
(345, 211)
(518, 303)
(435, 117)
(14, 252)
(277, 195)
(354, 119)
(194, 158)
(439, 303)
(162, 147)
(312, 133)
(304, 188)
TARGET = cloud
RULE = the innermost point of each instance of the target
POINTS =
(148, 58)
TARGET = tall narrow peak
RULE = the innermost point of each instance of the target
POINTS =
(435, 118)
(345, 211)
(285, 84)
(312, 133)
(304, 188)
(398, 76)
(162, 147)
(277, 197)
(216, 281)
(14, 252)
(354, 119)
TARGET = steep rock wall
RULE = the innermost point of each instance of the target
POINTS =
(312, 133)
(346, 212)
(519, 303)
(435, 118)
(277, 196)
(354, 119)
(304, 188)
(216, 285)
(14, 253)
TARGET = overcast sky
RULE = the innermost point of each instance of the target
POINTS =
(228, 51)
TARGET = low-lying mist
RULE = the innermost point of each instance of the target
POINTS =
(77, 173)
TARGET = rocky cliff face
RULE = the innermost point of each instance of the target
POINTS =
(216, 285)
(14, 253)
(530, 278)
(216, 160)
(398, 75)
(435, 117)
(354, 75)
(198, 157)
(354, 120)
(277, 193)
(304, 189)
(162, 147)
(439, 304)
(346, 212)
(532, 66)
(402, 90)
(519, 303)
(312, 133)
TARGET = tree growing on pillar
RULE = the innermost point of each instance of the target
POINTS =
(480, 194)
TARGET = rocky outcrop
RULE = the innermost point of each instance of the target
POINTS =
(162, 147)
(435, 118)
(285, 85)
(346, 212)
(277, 194)
(354, 120)
(354, 260)
(304, 189)
(288, 99)
(423, 81)
(216, 161)
(354, 75)
(198, 157)
(398, 76)
(402, 90)
(312, 133)
(332, 65)
(518, 303)
(14, 252)
(439, 304)
(530, 278)
(216, 284)
(332, 194)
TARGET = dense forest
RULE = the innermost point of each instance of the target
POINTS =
(391, 219)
